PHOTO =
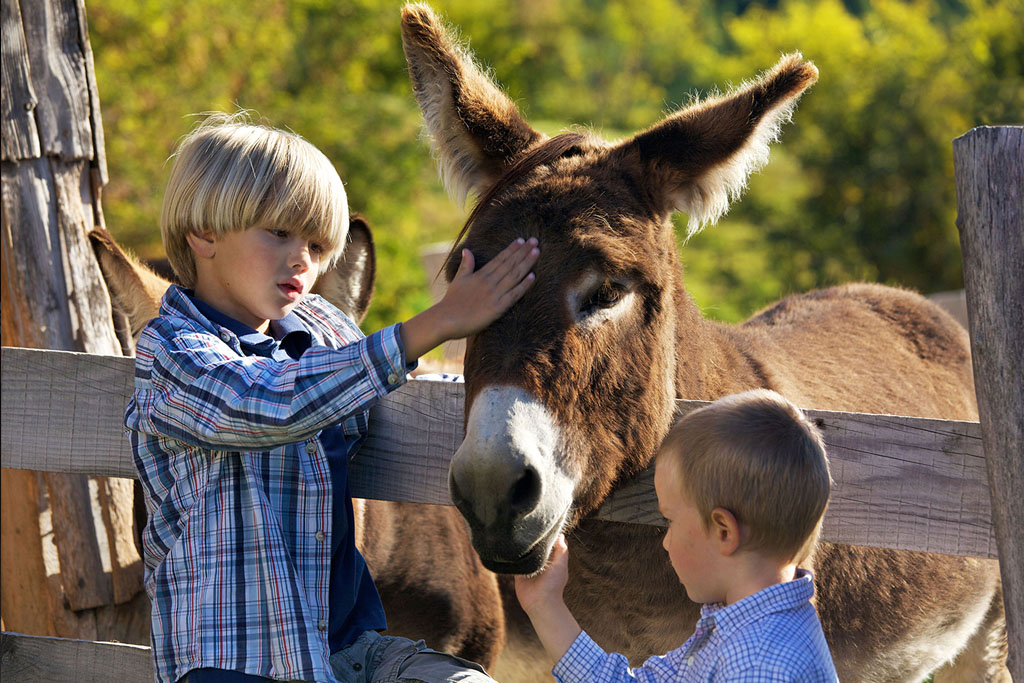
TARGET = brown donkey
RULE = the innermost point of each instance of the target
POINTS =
(573, 389)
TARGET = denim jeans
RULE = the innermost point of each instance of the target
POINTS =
(374, 658)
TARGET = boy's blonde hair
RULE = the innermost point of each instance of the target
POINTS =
(756, 455)
(230, 174)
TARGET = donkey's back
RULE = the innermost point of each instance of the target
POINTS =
(865, 348)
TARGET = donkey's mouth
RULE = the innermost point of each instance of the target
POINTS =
(496, 554)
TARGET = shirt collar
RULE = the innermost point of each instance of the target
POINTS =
(289, 331)
(777, 598)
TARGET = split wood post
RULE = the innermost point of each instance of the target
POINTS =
(53, 168)
(989, 165)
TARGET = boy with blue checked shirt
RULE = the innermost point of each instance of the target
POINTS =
(743, 484)
(250, 396)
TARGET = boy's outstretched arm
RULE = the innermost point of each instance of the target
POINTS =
(541, 598)
(474, 299)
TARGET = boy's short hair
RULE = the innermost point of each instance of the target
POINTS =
(230, 174)
(758, 456)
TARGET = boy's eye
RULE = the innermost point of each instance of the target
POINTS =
(316, 248)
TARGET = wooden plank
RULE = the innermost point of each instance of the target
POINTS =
(88, 301)
(911, 483)
(64, 411)
(20, 135)
(58, 71)
(35, 659)
(81, 565)
(34, 284)
(25, 603)
(989, 166)
(99, 158)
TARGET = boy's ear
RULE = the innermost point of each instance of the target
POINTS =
(202, 244)
(726, 530)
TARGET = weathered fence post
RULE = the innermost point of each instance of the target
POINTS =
(990, 216)
(54, 297)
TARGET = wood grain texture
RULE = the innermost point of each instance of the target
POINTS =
(58, 70)
(20, 139)
(35, 659)
(99, 148)
(989, 164)
(85, 583)
(901, 482)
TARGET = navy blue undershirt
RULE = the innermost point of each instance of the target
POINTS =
(353, 602)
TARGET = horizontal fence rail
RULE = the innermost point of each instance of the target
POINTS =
(900, 482)
(45, 659)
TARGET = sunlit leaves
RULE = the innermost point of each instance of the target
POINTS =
(861, 185)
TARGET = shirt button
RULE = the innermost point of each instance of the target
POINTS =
(322, 624)
(225, 336)
(320, 536)
(311, 447)
(357, 666)
(392, 378)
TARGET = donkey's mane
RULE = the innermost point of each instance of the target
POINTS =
(564, 145)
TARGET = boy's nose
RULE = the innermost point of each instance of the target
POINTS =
(302, 257)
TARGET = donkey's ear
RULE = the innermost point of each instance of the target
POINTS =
(349, 283)
(477, 131)
(698, 159)
(135, 290)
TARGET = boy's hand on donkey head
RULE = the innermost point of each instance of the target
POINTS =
(479, 297)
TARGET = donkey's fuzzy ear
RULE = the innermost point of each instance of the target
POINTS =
(698, 159)
(135, 290)
(477, 131)
(349, 283)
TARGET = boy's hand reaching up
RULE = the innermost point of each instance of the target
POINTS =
(541, 598)
(474, 299)
(543, 589)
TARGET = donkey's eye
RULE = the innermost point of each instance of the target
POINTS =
(605, 296)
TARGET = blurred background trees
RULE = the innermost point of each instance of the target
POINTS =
(861, 186)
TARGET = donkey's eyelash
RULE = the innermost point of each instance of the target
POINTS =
(605, 296)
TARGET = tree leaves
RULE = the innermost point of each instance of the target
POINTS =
(861, 185)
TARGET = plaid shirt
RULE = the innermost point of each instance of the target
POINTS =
(772, 636)
(238, 486)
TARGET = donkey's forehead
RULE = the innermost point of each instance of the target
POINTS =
(566, 201)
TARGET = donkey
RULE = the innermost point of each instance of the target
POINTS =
(572, 390)
(431, 583)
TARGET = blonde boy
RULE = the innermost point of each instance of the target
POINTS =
(743, 484)
(250, 397)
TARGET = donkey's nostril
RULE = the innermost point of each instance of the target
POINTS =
(525, 492)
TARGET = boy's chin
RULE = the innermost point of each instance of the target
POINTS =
(699, 596)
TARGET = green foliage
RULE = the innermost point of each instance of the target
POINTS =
(860, 188)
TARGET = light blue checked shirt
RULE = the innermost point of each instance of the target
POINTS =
(238, 485)
(772, 636)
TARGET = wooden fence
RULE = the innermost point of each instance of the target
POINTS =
(909, 483)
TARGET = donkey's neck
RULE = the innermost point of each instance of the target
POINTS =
(624, 565)
(712, 359)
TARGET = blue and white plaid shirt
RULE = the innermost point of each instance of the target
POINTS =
(772, 636)
(238, 485)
